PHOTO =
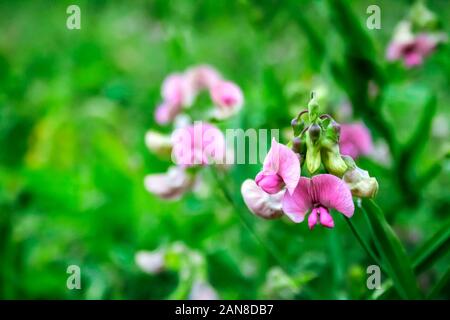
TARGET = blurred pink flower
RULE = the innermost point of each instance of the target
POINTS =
(318, 194)
(281, 167)
(227, 97)
(412, 48)
(171, 185)
(355, 140)
(175, 90)
(202, 77)
(166, 112)
(198, 144)
(262, 204)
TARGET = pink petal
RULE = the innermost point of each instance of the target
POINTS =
(283, 161)
(198, 144)
(269, 182)
(226, 94)
(355, 140)
(413, 59)
(325, 218)
(173, 89)
(312, 218)
(297, 204)
(259, 202)
(332, 192)
(171, 185)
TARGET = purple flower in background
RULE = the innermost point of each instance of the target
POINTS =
(412, 48)
(318, 195)
(355, 140)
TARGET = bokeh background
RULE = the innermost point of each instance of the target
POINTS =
(75, 106)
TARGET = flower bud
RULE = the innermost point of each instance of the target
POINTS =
(313, 108)
(297, 145)
(333, 162)
(314, 132)
(360, 183)
(151, 262)
(313, 158)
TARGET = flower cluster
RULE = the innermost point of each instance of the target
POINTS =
(279, 189)
(179, 91)
(415, 38)
(191, 145)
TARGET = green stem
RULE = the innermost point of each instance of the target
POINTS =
(270, 250)
(363, 243)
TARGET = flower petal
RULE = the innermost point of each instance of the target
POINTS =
(261, 203)
(297, 204)
(355, 140)
(171, 185)
(332, 192)
(283, 161)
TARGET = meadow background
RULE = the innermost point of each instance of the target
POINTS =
(75, 106)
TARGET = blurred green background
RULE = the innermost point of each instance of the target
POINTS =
(75, 106)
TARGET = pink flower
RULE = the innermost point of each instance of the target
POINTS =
(412, 48)
(355, 140)
(151, 262)
(175, 90)
(198, 144)
(228, 98)
(171, 185)
(281, 167)
(262, 204)
(318, 194)
(202, 77)
(166, 112)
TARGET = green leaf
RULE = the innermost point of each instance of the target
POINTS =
(437, 246)
(440, 285)
(433, 249)
(392, 252)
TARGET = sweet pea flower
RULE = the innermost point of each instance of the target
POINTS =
(202, 77)
(318, 194)
(355, 140)
(260, 203)
(198, 144)
(176, 91)
(412, 48)
(171, 185)
(166, 112)
(281, 168)
(227, 97)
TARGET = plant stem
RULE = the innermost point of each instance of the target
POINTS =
(363, 244)
(270, 250)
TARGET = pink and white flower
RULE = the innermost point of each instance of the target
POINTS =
(318, 195)
(412, 48)
(281, 168)
(171, 185)
(227, 97)
(198, 144)
(260, 203)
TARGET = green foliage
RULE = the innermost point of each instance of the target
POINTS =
(75, 106)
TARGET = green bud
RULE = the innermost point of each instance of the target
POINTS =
(313, 108)
(313, 158)
(297, 126)
(333, 162)
(297, 145)
(314, 132)
(360, 183)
